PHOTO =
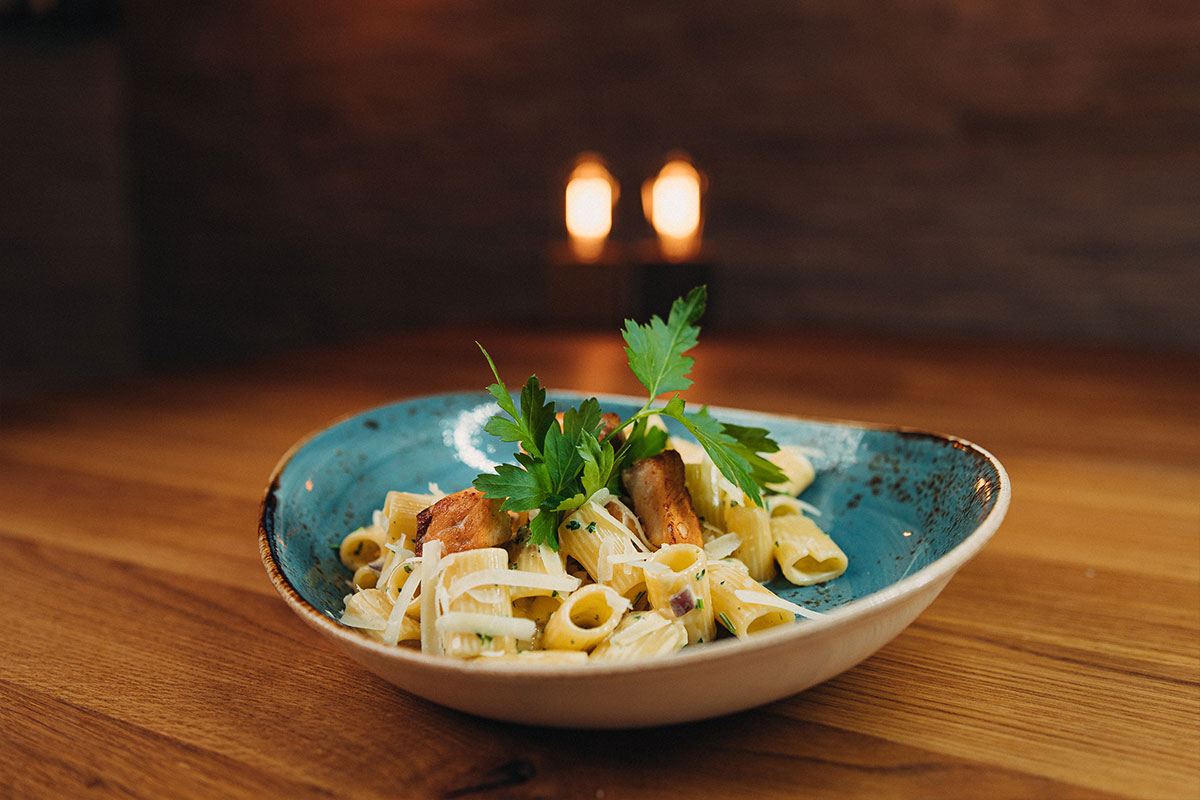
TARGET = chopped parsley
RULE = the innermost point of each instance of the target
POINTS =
(700, 574)
(573, 525)
(484, 639)
(591, 528)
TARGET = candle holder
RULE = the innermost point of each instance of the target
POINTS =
(599, 293)
(659, 280)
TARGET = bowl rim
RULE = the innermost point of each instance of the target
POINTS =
(878, 601)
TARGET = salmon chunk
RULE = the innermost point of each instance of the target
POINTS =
(661, 500)
(464, 521)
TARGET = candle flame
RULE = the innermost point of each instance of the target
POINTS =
(591, 192)
(672, 204)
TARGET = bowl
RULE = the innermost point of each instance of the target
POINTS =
(908, 507)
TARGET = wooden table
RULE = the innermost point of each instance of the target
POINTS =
(145, 654)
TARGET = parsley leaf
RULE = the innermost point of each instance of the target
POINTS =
(543, 529)
(656, 349)
(529, 426)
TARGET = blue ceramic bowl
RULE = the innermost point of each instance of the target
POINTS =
(907, 507)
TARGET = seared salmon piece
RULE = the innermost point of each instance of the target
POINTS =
(464, 520)
(661, 500)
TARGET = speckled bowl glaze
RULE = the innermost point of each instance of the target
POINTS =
(908, 508)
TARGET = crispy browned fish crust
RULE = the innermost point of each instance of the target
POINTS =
(464, 521)
(661, 500)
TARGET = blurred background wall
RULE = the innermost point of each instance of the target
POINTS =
(184, 182)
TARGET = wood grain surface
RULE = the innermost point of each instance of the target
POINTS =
(145, 654)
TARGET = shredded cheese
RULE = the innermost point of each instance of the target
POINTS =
(431, 567)
(511, 577)
(630, 558)
(391, 633)
(485, 625)
(354, 620)
(722, 546)
(604, 567)
(400, 556)
(550, 560)
(764, 599)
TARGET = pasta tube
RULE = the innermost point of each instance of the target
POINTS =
(395, 574)
(401, 509)
(538, 609)
(583, 620)
(539, 558)
(805, 553)
(592, 537)
(477, 601)
(365, 577)
(642, 635)
(361, 547)
(796, 466)
(678, 587)
(739, 615)
(753, 525)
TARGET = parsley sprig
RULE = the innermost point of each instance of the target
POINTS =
(559, 468)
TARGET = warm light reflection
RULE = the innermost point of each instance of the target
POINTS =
(591, 193)
(672, 205)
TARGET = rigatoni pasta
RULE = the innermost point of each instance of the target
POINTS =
(594, 538)
(805, 553)
(606, 595)
(642, 635)
(677, 586)
(585, 618)
(753, 525)
(741, 615)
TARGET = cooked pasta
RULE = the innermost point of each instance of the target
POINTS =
(805, 553)
(678, 588)
(739, 615)
(595, 539)
(585, 618)
(753, 525)
(642, 635)
(607, 594)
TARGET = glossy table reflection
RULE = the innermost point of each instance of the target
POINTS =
(146, 654)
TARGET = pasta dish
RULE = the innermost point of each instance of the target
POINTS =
(624, 584)
(608, 540)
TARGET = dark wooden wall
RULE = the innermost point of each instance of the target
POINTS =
(1013, 168)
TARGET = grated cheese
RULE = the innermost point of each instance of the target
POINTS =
(722, 546)
(550, 560)
(431, 566)
(391, 633)
(485, 625)
(604, 567)
(764, 599)
(354, 620)
(511, 577)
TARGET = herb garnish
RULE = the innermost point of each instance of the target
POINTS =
(561, 467)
